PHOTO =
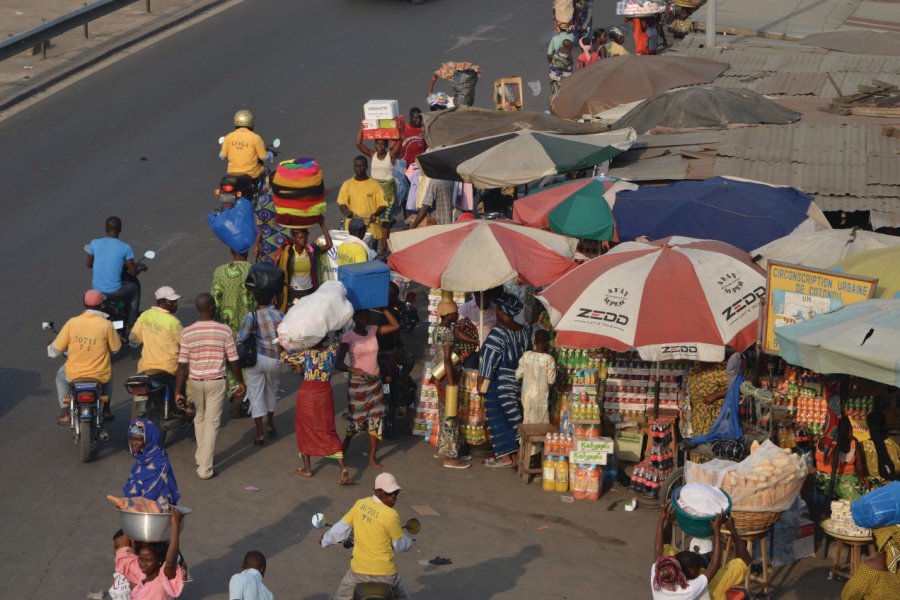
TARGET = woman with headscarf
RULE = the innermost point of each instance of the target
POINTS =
(451, 448)
(151, 476)
(878, 578)
(882, 454)
(500, 354)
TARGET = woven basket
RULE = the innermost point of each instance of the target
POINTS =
(754, 521)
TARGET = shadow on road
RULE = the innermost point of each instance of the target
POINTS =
(16, 384)
(271, 540)
(484, 580)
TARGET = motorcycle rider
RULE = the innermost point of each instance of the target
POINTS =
(377, 534)
(244, 149)
(159, 330)
(106, 257)
(90, 340)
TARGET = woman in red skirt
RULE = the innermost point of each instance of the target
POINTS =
(316, 434)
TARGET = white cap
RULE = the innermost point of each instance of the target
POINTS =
(166, 293)
(387, 483)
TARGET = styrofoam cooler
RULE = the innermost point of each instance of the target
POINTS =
(381, 109)
(366, 283)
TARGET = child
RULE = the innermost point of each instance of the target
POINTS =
(128, 574)
(163, 578)
(561, 66)
(537, 370)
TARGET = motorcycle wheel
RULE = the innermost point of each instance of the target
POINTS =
(84, 441)
(155, 416)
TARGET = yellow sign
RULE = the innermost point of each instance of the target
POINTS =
(796, 293)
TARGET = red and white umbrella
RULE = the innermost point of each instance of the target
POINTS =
(674, 298)
(475, 256)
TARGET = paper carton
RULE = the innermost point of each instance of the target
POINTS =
(381, 109)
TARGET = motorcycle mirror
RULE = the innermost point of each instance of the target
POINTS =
(319, 521)
(149, 254)
(413, 526)
(276, 143)
(47, 325)
(119, 325)
(221, 139)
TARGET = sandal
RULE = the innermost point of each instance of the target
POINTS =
(345, 477)
(493, 463)
(260, 441)
(63, 421)
(272, 433)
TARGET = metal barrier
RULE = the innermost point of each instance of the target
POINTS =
(40, 37)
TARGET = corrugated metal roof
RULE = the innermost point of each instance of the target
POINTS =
(850, 203)
(850, 82)
(803, 16)
(853, 160)
(790, 84)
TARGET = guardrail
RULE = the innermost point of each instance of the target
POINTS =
(40, 37)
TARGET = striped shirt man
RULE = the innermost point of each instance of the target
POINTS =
(205, 346)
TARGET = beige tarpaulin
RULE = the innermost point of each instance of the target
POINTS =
(622, 79)
(447, 127)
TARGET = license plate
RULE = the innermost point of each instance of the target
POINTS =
(386, 388)
(140, 398)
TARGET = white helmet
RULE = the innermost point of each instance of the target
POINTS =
(243, 118)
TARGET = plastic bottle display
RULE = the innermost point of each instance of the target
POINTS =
(579, 485)
(592, 483)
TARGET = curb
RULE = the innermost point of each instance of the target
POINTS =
(97, 55)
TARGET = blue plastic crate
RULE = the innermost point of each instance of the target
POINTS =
(366, 283)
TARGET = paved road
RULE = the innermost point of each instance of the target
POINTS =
(137, 139)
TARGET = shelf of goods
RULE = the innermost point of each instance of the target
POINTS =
(794, 408)
(470, 403)
(631, 386)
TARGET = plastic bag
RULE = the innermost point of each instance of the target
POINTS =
(767, 480)
(235, 226)
(266, 278)
(878, 508)
(312, 317)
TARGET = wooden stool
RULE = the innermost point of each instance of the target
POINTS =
(752, 583)
(508, 94)
(853, 544)
(529, 436)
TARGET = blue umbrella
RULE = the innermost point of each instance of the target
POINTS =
(741, 213)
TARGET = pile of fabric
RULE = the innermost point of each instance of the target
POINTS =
(298, 192)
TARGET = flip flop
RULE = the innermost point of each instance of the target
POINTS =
(457, 466)
(63, 422)
(493, 463)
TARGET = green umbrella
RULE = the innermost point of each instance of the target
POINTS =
(574, 208)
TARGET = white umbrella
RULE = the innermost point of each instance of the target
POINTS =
(822, 249)
(858, 339)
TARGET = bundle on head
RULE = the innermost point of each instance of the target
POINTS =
(298, 192)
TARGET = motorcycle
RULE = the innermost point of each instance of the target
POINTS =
(231, 188)
(152, 398)
(399, 392)
(117, 308)
(85, 405)
(369, 590)
(407, 314)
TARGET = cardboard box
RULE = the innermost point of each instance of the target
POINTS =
(381, 134)
(381, 109)
(370, 124)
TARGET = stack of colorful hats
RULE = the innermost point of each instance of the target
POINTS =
(298, 192)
